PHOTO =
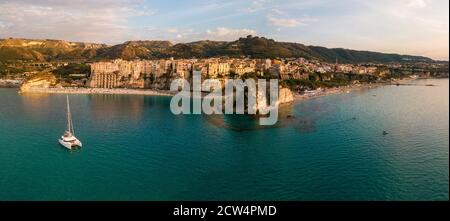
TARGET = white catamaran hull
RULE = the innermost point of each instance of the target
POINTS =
(70, 145)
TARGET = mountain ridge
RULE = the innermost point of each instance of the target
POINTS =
(13, 49)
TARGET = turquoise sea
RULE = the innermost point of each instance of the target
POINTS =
(329, 148)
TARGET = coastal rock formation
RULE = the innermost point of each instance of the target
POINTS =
(41, 80)
(285, 96)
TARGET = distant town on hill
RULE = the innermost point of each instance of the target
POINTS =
(14, 49)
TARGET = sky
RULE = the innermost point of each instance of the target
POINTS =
(415, 27)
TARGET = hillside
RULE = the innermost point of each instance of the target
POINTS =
(254, 47)
(259, 47)
(45, 50)
(134, 49)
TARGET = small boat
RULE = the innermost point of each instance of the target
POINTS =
(385, 133)
(68, 140)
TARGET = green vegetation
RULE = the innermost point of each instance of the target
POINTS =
(17, 68)
(254, 47)
(317, 80)
(73, 69)
(3, 70)
(48, 76)
(251, 75)
(19, 54)
(302, 85)
(133, 49)
(233, 75)
(353, 56)
(259, 47)
(34, 50)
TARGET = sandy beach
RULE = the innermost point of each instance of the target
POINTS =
(150, 92)
(329, 91)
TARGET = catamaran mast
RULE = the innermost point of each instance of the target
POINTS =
(69, 117)
(71, 126)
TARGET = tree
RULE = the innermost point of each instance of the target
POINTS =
(72, 68)
(233, 75)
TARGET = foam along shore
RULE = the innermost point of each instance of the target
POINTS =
(284, 97)
(329, 91)
(72, 90)
(152, 92)
(10, 83)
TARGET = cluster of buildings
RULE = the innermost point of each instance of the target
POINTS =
(141, 73)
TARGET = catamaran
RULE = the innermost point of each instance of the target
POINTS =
(69, 140)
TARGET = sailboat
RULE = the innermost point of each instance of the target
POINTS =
(69, 140)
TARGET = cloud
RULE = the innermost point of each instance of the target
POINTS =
(226, 34)
(417, 15)
(417, 3)
(284, 22)
(277, 11)
(396, 26)
(172, 30)
(277, 17)
(181, 34)
(256, 5)
(76, 20)
(405, 27)
(287, 22)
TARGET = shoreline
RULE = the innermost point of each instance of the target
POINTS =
(351, 88)
(117, 91)
(153, 92)
(330, 91)
(10, 83)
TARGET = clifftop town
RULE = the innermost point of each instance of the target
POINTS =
(154, 64)
(298, 74)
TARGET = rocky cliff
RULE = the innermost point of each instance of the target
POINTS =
(42, 80)
(285, 96)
